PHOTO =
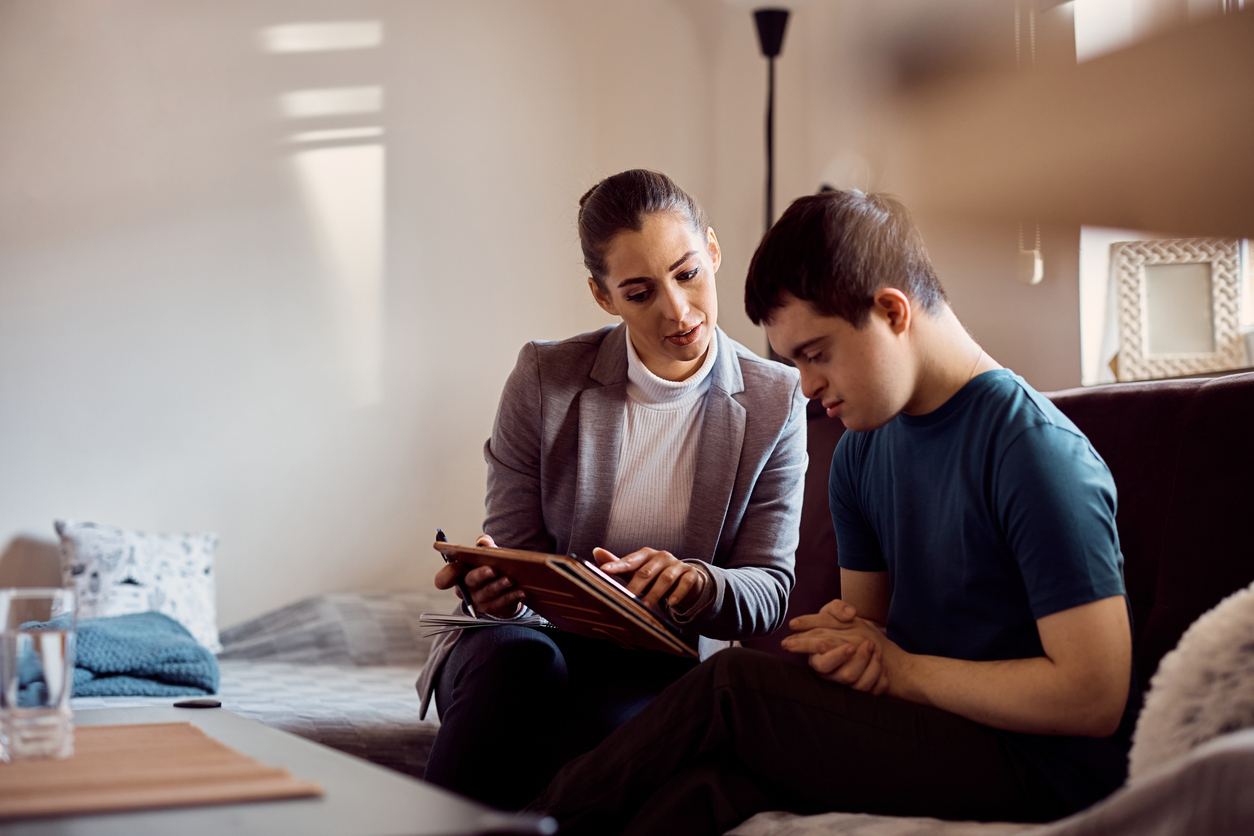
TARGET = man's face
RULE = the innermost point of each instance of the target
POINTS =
(861, 374)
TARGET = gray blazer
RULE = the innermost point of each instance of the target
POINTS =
(555, 447)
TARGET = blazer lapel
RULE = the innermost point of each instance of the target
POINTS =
(600, 443)
(718, 456)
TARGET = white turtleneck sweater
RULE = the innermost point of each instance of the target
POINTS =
(653, 483)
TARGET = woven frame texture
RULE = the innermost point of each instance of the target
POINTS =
(1129, 259)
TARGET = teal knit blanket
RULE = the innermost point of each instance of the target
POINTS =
(142, 655)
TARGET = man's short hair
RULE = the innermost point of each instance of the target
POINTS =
(835, 250)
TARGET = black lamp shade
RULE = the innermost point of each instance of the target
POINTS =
(771, 25)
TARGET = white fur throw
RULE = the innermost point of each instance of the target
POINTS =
(1202, 689)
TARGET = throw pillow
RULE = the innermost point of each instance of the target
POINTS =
(119, 572)
(1202, 689)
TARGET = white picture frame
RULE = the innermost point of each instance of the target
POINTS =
(1179, 306)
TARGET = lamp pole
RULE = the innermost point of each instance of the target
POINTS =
(771, 24)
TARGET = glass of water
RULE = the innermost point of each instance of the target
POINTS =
(36, 673)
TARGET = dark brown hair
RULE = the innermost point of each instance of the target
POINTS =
(622, 202)
(835, 250)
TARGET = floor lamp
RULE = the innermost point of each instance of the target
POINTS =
(771, 24)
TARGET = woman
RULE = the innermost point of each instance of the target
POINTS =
(667, 451)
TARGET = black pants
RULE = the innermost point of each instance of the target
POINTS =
(516, 703)
(746, 732)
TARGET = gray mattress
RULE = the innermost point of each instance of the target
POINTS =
(337, 669)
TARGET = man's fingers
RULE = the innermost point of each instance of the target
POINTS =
(807, 642)
(827, 663)
(834, 614)
(881, 687)
(871, 676)
(848, 673)
(812, 622)
(827, 659)
(839, 610)
(486, 541)
(819, 640)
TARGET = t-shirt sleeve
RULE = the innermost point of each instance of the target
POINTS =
(1055, 500)
(857, 547)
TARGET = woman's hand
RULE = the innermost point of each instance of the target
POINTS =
(842, 647)
(656, 574)
(490, 594)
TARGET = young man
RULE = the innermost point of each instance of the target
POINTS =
(978, 664)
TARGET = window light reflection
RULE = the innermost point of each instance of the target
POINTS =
(331, 101)
(343, 190)
(336, 134)
(322, 37)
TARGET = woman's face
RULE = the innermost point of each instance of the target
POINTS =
(660, 280)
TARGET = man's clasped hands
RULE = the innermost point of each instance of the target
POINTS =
(844, 648)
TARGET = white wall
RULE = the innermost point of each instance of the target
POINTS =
(848, 58)
(199, 332)
(184, 347)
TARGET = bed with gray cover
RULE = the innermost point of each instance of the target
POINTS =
(338, 669)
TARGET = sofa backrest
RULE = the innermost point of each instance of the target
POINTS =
(1182, 455)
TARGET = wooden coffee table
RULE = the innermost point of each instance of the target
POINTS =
(361, 799)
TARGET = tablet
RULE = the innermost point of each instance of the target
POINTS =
(576, 596)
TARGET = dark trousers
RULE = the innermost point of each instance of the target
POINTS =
(516, 703)
(746, 732)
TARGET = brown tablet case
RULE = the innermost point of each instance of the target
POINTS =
(578, 597)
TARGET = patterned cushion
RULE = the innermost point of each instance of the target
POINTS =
(119, 572)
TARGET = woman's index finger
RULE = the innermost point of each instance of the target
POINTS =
(638, 558)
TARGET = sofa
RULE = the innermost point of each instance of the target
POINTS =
(1182, 456)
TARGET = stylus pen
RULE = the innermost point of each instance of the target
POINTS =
(461, 579)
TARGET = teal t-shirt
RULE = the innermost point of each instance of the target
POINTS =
(988, 513)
